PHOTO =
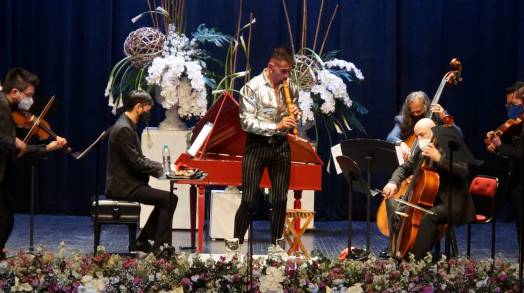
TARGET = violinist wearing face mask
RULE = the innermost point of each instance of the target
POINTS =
(128, 172)
(18, 89)
(510, 147)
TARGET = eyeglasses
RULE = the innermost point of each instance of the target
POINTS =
(282, 70)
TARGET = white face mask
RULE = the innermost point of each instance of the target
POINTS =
(25, 104)
(423, 143)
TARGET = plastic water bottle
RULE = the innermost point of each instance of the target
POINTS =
(166, 159)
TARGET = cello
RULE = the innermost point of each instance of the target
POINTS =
(451, 77)
(422, 191)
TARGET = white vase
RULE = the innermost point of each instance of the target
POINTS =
(172, 121)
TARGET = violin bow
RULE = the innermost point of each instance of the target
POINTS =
(40, 117)
(401, 201)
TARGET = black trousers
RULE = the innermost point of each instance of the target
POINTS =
(261, 152)
(7, 204)
(516, 200)
(428, 231)
(511, 190)
(6, 212)
(158, 225)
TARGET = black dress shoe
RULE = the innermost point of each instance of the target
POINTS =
(384, 253)
(166, 252)
(143, 246)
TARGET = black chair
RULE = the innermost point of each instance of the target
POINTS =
(115, 212)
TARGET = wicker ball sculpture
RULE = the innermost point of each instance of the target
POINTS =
(305, 69)
(143, 45)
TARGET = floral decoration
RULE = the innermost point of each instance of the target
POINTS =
(178, 69)
(77, 272)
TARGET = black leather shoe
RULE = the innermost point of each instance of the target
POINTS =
(166, 252)
(384, 253)
(143, 246)
(2, 255)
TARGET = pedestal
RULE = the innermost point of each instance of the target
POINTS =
(153, 140)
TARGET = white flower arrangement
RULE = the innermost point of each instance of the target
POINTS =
(167, 60)
(325, 84)
(272, 280)
(323, 95)
(179, 75)
(323, 81)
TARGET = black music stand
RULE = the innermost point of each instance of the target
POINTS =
(32, 200)
(450, 139)
(355, 181)
(95, 145)
(373, 156)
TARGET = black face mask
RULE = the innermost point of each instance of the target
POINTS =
(144, 117)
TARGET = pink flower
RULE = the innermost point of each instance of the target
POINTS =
(186, 282)
(502, 277)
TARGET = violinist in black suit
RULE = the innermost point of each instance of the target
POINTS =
(18, 89)
(463, 210)
(511, 149)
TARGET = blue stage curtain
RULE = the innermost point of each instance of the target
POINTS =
(400, 46)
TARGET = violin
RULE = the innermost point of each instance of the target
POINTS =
(509, 127)
(451, 77)
(36, 125)
(25, 119)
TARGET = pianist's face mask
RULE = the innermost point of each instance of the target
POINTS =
(145, 117)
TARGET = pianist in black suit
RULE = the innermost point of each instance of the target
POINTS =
(128, 172)
(265, 118)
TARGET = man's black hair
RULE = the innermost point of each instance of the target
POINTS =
(18, 78)
(137, 97)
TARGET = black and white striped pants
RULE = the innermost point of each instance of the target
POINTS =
(261, 152)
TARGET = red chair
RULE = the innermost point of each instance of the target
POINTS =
(483, 189)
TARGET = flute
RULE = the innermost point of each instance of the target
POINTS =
(289, 102)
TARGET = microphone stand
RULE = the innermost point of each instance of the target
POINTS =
(452, 147)
(34, 166)
(251, 213)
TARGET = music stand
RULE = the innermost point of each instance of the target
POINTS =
(95, 145)
(354, 178)
(450, 139)
(374, 156)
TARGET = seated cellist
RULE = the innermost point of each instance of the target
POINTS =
(463, 210)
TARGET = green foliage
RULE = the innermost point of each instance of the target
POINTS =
(204, 34)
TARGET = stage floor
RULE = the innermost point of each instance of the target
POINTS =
(328, 237)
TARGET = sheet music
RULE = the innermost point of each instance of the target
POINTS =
(400, 158)
(336, 151)
(199, 141)
(78, 155)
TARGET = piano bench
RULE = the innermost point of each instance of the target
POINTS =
(115, 212)
(293, 236)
